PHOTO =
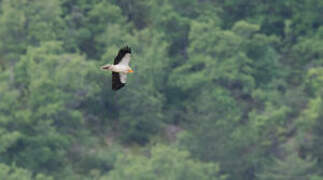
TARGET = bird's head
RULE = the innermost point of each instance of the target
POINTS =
(130, 71)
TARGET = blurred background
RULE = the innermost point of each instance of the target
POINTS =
(222, 90)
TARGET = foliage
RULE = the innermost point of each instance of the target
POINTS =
(290, 167)
(164, 163)
(14, 173)
(222, 84)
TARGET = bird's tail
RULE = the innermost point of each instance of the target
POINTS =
(106, 67)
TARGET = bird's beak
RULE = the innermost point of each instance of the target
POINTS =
(130, 71)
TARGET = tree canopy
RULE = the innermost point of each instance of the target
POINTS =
(222, 90)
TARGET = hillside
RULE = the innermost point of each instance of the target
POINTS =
(221, 90)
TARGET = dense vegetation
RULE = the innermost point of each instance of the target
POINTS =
(222, 90)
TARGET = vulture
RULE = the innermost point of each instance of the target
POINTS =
(120, 68)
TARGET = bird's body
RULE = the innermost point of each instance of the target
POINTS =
(117, 68)
(120, 68)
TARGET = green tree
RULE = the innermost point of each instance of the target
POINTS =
(306, 19)
(164, 163)
(49, 116)
(15, 173)
(25, 23)
(310, 120)
(168, 20)
(221, 83)
(8, 99)
(136, 12)
(290, 167)
(86, 21)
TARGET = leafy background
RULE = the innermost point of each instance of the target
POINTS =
(222, 90)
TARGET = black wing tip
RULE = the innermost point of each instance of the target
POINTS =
(126, 49)
(117, 87)
(122, 52)
(116, 83)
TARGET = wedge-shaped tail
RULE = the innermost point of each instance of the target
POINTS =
(106, 67)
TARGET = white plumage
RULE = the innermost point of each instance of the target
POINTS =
(120, 68)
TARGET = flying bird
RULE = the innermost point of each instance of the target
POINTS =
(120, 68)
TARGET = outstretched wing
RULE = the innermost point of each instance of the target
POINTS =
(116, 81)
(123, 77)
(123, 56)
(125, 60)
(119, 79)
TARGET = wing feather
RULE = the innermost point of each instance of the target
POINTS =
(119, 79)
(123, 77)
(116, 81)
(122, 55)
(125, 60)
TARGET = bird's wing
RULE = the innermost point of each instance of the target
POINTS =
(123, 77)
(116, 81)
(123, 56)
(125, 60)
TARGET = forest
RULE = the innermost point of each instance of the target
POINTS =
(221, 90)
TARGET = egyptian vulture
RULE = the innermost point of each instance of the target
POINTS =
(120, 68)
